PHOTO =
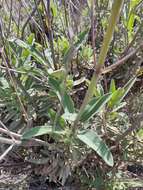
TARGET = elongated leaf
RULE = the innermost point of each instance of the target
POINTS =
(68, 103)
(90, 104)
(128, 86)
(60, 73)
(92, 139)
(116, 98)
(54, 8)
(100, 89)
(70, 117)
(112, 86)
(120, 93)
(71, 51)
(60, 120)
(63, 96)
(121, 105)
(34, 52)
(132, 17)
(42, 130)
(94, 107)
(55, 84)
(31, 39)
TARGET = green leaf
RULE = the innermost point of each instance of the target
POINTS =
(140, 134)
(121, 105)
(96, 92)
(31, 39)
(128, 86)
(132, 17)
(59, 74)
(88, 106)
(94, 107)
(55, 84)
(63, 96)
(60, 120)
(68, 103)
(32, 50)
(90, 138)
(53, 7)
(120, 93)
(112, 86)
(42, 130)
(100, 89)
(74, 48)
(116, 98)
(69, 116)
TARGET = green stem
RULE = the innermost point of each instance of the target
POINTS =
(115, 12)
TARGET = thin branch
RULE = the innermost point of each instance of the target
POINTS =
(2, 124)
(31, 142)
(115, 12)
(9, 141)
(6, 152)
(29, 18)
(122, 61)
(15, 135)
(26, 7)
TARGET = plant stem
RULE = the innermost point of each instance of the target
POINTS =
(115, 12)
(28, 19)
(122, 60)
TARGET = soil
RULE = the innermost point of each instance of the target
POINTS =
(26, 180)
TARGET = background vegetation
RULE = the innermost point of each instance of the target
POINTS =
(71, 93)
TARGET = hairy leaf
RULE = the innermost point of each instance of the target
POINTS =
(42, 130)
(92, 139)
(94, 107)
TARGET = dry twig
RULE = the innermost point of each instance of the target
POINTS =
(122, 61)
(31, 142)
(6, 152)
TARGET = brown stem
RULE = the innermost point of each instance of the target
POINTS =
(28, 19)
(6, 152)
(122, 61)
(2, 124)
(31, 142)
